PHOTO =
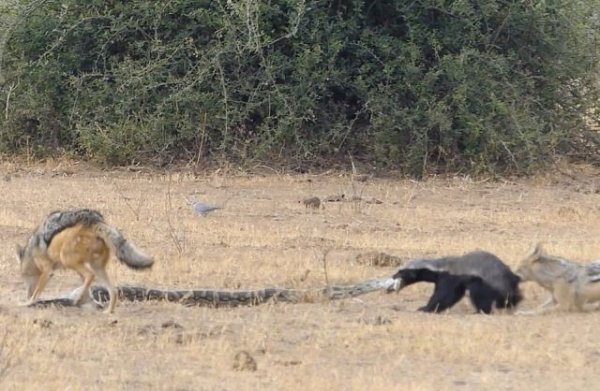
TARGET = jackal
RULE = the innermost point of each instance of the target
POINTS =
(79, 240)
(571, 284)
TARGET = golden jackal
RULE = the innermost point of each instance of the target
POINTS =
(572, 285)
(79, 240)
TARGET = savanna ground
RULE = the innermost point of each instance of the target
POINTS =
(265, 238)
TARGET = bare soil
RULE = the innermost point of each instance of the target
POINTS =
(266, 237)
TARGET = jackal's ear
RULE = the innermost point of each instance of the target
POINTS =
(535, 251)
(20, 253)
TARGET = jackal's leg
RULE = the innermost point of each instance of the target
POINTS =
(88, 278)
(551, 300)
(548, 305)
(563, 297)
(596, 306)
(39, 287)
(539, 310)
(112, 291)
(565, 294)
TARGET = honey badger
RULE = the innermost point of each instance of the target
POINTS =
(487, 279)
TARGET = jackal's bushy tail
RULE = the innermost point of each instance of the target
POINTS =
(125, 251)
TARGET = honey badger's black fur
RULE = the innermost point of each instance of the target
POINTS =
(487, 279)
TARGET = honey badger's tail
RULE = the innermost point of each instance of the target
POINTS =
(125, 251)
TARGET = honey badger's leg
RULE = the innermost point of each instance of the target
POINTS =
(482, 295)
(508, 302)
(98, 257)
(102, 277)
(513, 296)
(447, 292)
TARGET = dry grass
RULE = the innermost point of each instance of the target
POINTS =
(265, 237)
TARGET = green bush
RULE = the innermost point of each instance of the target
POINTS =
(430, 85)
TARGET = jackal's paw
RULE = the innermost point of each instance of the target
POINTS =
(97, 305)
(526, 313)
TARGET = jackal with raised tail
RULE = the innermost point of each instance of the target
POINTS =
(79, 240)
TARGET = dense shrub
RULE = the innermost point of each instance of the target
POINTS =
(422, 85)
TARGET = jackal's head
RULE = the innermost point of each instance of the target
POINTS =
(29, 271)
(526, 271)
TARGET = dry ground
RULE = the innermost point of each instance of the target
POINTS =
(264, 237)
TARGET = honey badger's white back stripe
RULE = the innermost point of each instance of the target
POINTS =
(477, 263)
(422, 263)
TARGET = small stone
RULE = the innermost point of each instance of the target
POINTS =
(312, 202)
(171, 324)
(243, 361)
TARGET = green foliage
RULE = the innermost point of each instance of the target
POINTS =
(427, 85)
